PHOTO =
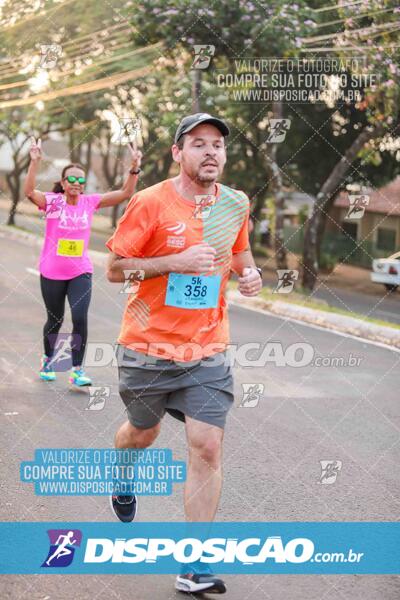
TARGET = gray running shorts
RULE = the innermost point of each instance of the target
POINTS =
(150, 386)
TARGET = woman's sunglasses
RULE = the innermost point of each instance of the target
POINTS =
(73, 179)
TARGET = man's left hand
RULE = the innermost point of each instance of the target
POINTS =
(250, 283)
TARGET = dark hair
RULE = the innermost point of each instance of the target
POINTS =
(58, 188)
(181, 141)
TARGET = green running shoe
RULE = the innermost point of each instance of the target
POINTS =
(79, 378)
(46, 372)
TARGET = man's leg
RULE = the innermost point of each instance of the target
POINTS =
(123, 505)
(202, 492)
(129, 436)
(204, 474)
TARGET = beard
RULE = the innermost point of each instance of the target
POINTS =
(205, 180)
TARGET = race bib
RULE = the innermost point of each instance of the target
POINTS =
(193, 291)
(70, 247)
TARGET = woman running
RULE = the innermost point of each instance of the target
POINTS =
(65, 267)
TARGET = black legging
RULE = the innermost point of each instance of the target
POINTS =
(78, 291)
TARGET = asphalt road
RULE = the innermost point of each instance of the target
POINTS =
(272, 450)
(380, 304)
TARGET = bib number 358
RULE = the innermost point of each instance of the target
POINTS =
(193, 291)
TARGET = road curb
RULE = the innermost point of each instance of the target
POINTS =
(332, 321)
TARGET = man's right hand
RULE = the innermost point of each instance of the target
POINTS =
(35, 150)
(196, 259)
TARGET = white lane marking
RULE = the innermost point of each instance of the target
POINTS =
(33, 271)
(313, 326)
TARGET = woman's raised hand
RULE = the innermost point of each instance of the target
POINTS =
(35, 150)
(136, 157)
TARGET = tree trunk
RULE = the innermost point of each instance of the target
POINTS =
(279, 199)
(114, 215)
(74, 149)
(257, 207)
(315, 225)
(196, 90)
(13, 180)
(88, 157)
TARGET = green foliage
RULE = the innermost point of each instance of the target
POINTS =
(236, 29)
(327, 262)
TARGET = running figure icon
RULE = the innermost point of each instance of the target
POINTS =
(62, 549)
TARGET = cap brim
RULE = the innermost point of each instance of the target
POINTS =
(224, 129)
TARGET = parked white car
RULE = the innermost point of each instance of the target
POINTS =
(387, 271)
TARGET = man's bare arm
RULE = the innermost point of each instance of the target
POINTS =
(152, 267)
(196, 259)
(242, 260)
(250, 280)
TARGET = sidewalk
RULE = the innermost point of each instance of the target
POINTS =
(343, 276)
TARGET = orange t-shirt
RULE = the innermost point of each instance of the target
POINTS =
(158, 222)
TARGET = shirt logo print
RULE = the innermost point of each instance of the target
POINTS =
(178, 228)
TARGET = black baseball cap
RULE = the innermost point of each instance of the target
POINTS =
(190, 122)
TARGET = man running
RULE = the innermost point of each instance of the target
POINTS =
(171, 353)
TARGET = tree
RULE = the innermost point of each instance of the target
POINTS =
(16, 127)
(380, 103)
(234, 28)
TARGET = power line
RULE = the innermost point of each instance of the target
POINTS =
(94, 65)
(355, 17)
(31, 17)
(345, 48)
(362, 31)
(7, 68)
(90, 86)
(336, 6)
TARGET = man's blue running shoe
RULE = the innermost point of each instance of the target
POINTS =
(46, 373)
(198, 578)
(78, 377)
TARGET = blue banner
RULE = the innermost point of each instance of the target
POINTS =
(236, 548)
(103, 471)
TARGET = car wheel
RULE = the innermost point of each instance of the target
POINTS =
(391, 287)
